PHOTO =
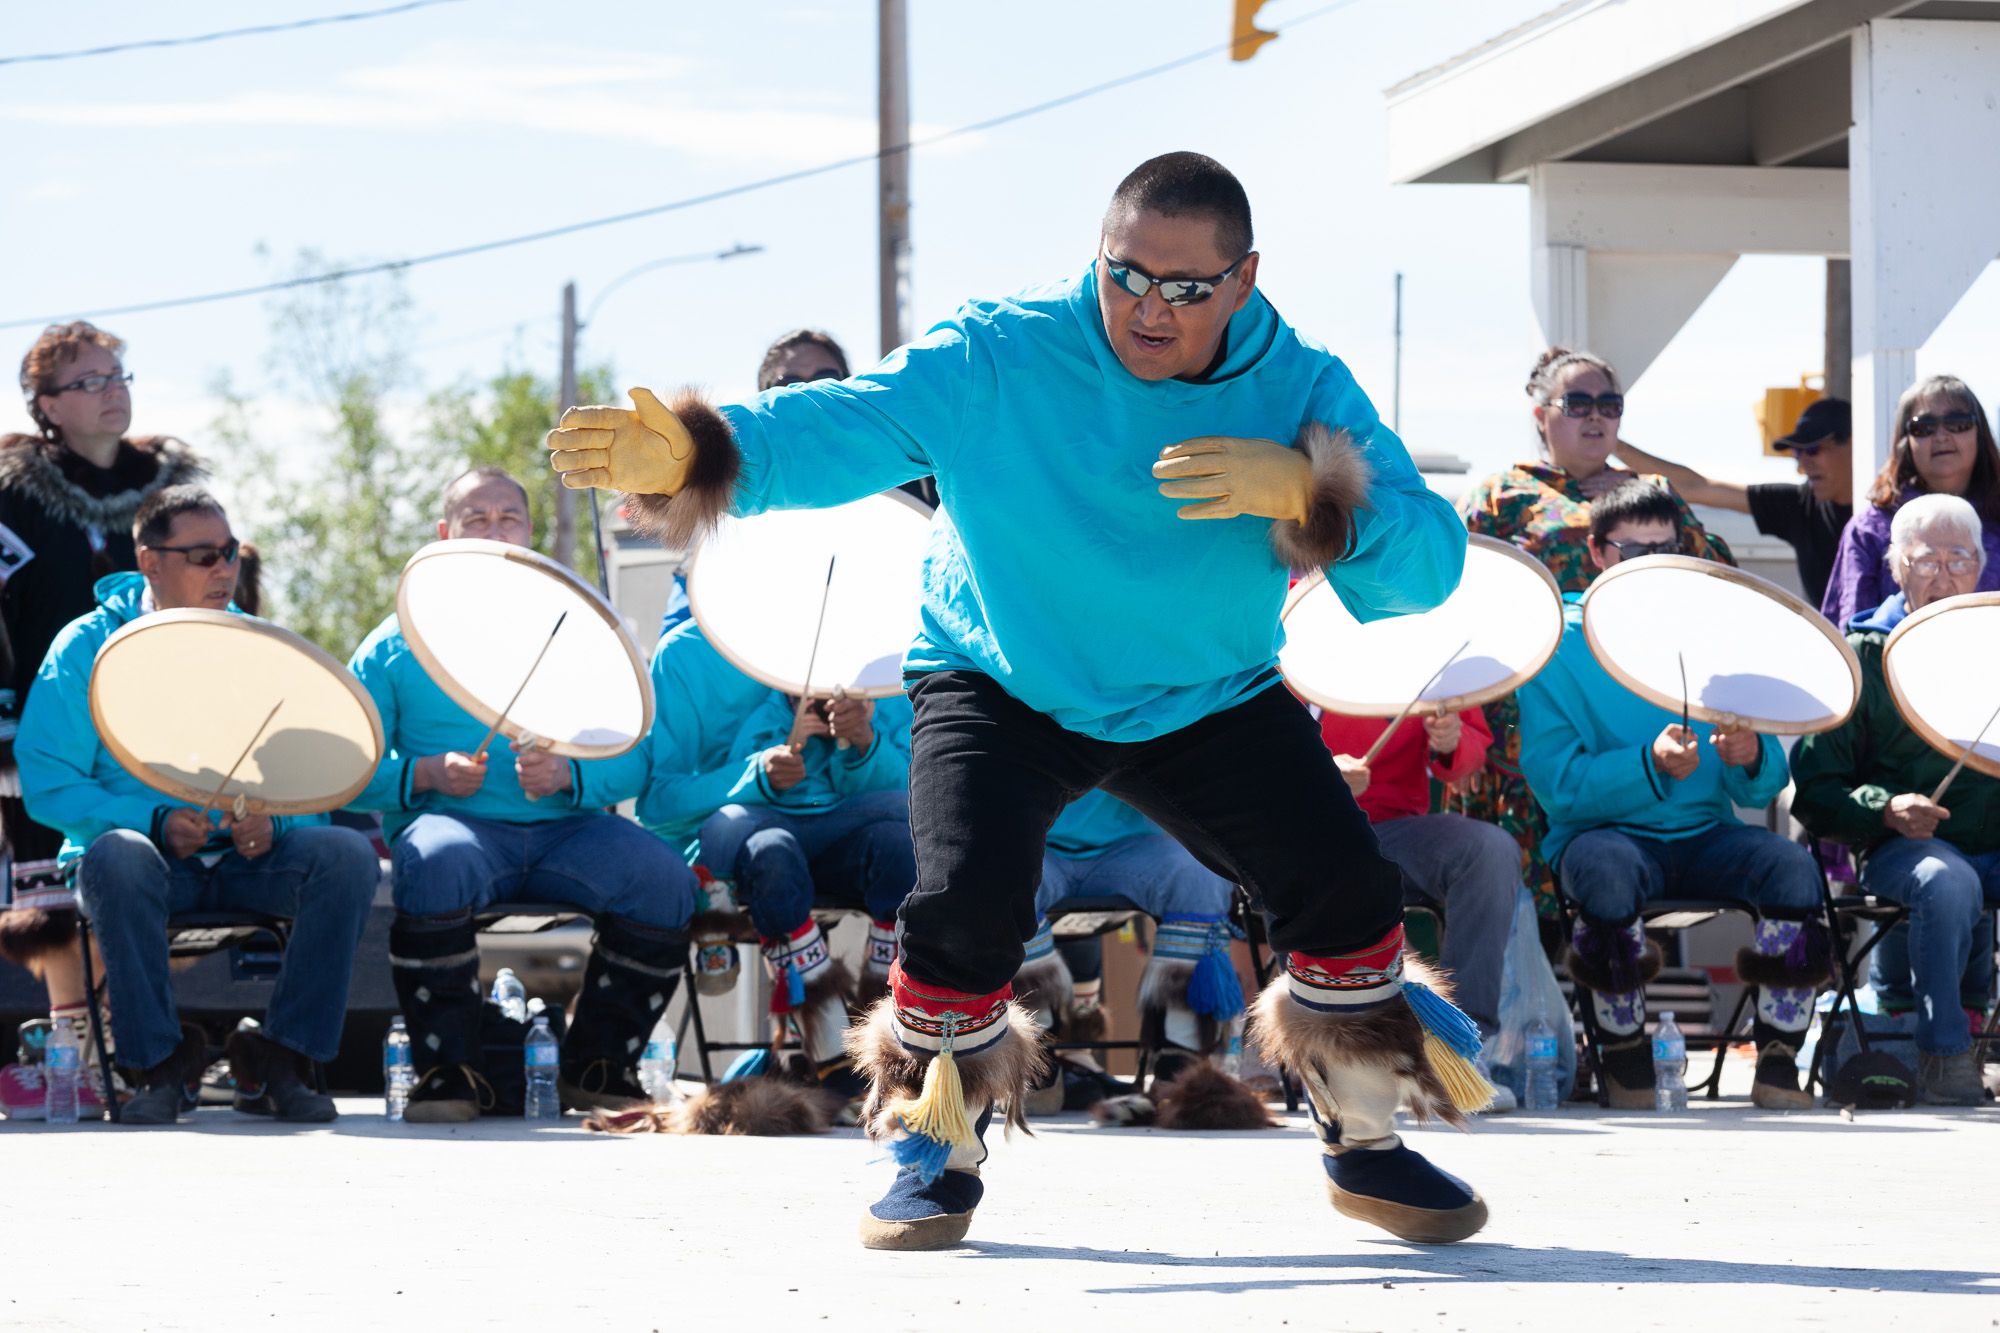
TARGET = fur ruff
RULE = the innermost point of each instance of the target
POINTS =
(999, 1075)
(726, 925)
(1091, 1025)
(870, 987)
(27, 467)
(30, 934)
(679, 520)
(1204, 1097)
(1340, 479)
(1164, 986)
(1044, 984)
(750, 1107)
(1388, 1036)
(1608, 974)
(1809, 963)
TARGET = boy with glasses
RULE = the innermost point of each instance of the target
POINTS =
(140, 857)
(68, 494)
(1077, 633)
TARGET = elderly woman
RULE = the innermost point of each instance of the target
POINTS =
(1865, 784)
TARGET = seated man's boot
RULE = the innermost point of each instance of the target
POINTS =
(270, 1081)
(717, 927)
(1788, 961)
(633, 972)
(170, 1089)
(1614, 963)
(434, 961)
(1349, 1026)
(1045, 989)
(1949, 1080)
(938, 1063)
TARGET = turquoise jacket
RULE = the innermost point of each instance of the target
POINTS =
(69, 781)
(420, 719)
(1093, 824)
(1056, 566)
(1586, 749)
(712, 727)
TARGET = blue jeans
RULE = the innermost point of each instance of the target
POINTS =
(1946, 892)
(320, 878)
(856, 854)
(446, 865)
(1152, 872)
(1610, 875)
(1469, 870)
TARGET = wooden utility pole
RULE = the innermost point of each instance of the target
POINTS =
(893, 167)
(565, 544)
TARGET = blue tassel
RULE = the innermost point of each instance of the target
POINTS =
(1443, 1019)
(748, 1065)
(795, 987)
(1214, 991)
(923, 1153)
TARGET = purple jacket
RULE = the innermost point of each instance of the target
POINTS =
(1860, 580)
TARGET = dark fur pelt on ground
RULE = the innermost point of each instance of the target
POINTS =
(1202, 1097)
(755, 1107)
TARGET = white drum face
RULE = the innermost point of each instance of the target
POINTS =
(1937, 664)
(477, 614)
(1755, 655)
(1506, 617)
(757, 585)
(177, 697)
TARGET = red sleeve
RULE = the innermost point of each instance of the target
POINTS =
(1474, 739)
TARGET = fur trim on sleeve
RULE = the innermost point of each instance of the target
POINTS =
(678, 520)
(1340, 479)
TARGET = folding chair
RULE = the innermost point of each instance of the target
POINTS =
(258, 940)
(705, 1049)
(1093, 918)
(1667, 914)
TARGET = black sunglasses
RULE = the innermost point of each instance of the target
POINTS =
(206, 557)
(1925, 426)
(1610, 406)
(1174, 291)
(1633, 550)
(787, 381)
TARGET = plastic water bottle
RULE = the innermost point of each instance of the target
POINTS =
(1541, 1046)
(511, 995)
(656, 1066)
(1232, 1049)
(1670, 1058)
(538, 1063)
(399, 1074)
(62, 1068)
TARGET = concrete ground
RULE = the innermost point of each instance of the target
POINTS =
(1721, 1218)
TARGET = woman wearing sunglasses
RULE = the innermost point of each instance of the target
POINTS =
(1542, 505)
(68, 493)
(1944, 446)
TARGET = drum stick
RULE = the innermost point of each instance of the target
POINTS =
(534, 666)
(1684, 691)
(1938, 795)
(216, 796)
(812, 659)
(1397, 721)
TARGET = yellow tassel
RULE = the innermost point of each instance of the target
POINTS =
(1467, 1087)
(938, 1110)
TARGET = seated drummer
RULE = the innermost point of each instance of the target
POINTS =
(789, 818)
(1466, 868)
(142, 857)
(1867, 783)
(471, 830)
(1640, 808)
(1102, 854)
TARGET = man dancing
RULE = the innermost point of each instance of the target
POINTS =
(1076, 634)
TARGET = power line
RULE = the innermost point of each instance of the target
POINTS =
(260, 30)
(677, 205)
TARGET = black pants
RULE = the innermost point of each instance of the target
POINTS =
(1251, 791)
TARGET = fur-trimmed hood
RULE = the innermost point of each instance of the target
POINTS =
(28, 464)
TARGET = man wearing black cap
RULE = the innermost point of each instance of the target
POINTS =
(1809, 514)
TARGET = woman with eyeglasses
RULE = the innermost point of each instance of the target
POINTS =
(68, 493)
(1944, 446)
(1542, 505)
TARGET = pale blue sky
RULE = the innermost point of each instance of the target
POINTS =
(160, 173)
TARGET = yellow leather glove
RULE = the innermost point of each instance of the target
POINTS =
(1236, 476)
(646, 451)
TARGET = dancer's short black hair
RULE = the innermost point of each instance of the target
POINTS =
(1180, 185)
(1634, 501)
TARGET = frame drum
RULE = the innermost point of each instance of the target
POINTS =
(1935, 663)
